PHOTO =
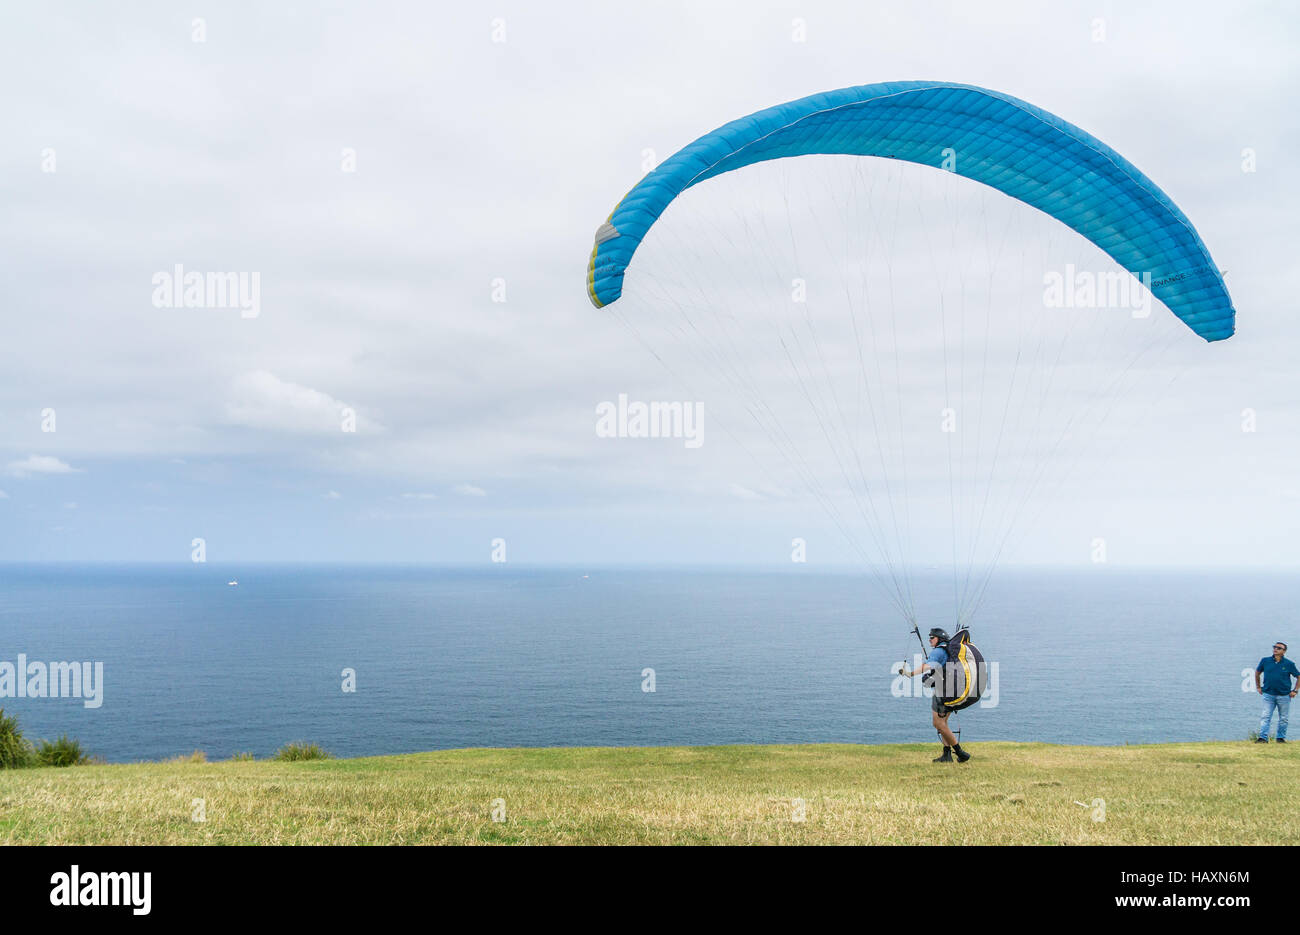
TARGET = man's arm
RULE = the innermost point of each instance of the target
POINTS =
(1258, 690)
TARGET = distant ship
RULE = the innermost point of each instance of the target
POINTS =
(233, 584)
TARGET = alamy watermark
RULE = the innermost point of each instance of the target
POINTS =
(632, 419)
(181, 289)
(1091, 289)
(37, 679)
(79, 887)
(907, 687)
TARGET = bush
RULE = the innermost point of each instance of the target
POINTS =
(15, 750)
(243, 757)
(301, 751)
(62, 752)
(198, 756)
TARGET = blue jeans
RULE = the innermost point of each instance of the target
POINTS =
(1283, 705)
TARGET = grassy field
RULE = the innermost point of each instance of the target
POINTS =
(1205, 793)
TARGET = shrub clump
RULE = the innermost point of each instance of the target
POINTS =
(292, 752)
(15, 749)
(198, 756)
(62, 752)
(17, 752)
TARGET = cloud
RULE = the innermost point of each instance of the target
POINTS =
(469, 490)
(261, 400)
(333, 495)
(3, 495)
(376, 307)
(39, 464)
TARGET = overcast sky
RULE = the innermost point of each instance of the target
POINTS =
(416, 187)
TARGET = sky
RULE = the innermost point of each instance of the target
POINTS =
(414, 188)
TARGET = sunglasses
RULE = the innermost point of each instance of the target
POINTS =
(1280, 646)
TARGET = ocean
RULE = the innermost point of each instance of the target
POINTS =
(514, 656)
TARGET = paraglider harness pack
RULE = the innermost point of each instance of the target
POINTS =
(964, 676)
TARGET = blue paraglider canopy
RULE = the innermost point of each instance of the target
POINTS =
(993, 138)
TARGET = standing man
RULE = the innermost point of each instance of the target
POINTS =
(934, 663)
(1277, 690)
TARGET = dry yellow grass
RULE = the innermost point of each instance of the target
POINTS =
(1206, 793)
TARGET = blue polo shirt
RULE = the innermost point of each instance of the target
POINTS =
(939, 656)
(1277, 675)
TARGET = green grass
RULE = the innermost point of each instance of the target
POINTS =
(1011, 793)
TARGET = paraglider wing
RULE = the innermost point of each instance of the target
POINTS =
(1014, 147)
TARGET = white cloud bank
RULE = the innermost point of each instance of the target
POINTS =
(261, 400)
(39, 464)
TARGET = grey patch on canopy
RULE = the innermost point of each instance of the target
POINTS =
(606, 231)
